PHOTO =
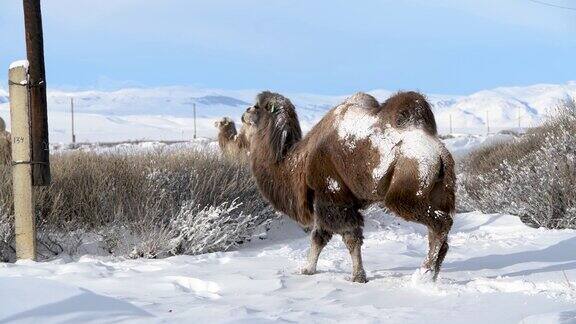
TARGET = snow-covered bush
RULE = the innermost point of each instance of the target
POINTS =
(532, 177)
(150, 204)
(6, 237)
(214, 228)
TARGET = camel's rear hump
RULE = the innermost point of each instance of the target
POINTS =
(409, 110)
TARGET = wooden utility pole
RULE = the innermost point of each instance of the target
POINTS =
(487, 123)
(72, 117)
(194, 107)
(37, 85)
(21, 157)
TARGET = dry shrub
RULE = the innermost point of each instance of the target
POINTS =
(132, 204)
(7, 251)
(531, 177)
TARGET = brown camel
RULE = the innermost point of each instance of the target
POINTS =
(227, 137)
(360, 153)
(233, 144)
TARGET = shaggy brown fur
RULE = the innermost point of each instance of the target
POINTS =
(227, 136)
(360, 153)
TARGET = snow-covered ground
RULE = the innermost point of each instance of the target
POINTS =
(462, 144)
(166, 113)
(497, 271)
(205, 145)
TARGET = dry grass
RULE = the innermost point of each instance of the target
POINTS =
(128, 202)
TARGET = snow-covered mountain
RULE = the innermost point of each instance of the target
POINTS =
(505, 107)
(167, 112)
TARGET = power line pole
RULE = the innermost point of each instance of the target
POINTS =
(194, 106)
(487, 123)
(72, 114)
(37, 83)
(450, 123)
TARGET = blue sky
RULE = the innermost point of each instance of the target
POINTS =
(321, 46)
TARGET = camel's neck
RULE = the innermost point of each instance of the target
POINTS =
(225, 136)
(281, 182)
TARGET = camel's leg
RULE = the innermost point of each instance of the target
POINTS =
(406, 197)
(437, 241)
(318, 240)
(345, 219)
(353, 241)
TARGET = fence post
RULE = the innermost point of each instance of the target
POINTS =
(21, 166)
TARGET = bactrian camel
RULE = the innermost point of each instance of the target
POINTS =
(360, 153)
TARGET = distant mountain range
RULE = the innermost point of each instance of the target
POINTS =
(166, 112)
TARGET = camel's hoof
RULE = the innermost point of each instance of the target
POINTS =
(359, 277)
(423, 275)
(307, 272)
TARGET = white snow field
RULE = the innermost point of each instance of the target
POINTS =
(497, 271)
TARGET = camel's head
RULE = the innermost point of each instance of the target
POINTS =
(226, 125)
(274, 116)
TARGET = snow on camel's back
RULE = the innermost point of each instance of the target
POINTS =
(360, 153)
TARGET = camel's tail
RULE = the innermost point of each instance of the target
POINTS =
(443, 193)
